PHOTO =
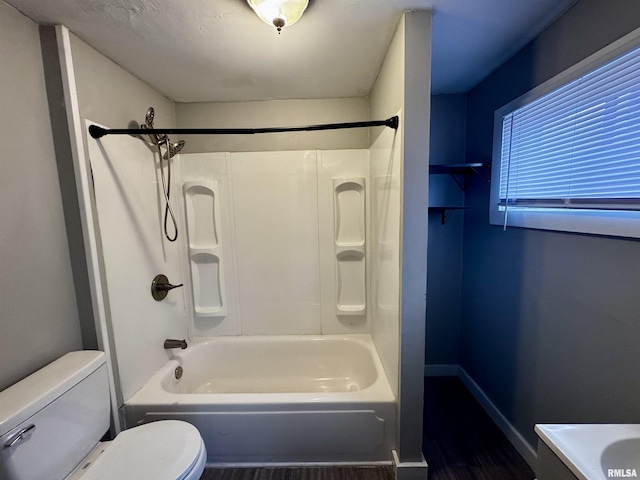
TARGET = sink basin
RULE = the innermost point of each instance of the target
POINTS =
(621, 459)
(595, 451)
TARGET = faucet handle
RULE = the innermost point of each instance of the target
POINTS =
(160, 287)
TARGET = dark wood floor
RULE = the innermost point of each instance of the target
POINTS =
(461, 442)
(320, 473)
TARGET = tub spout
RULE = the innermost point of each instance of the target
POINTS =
(170, 343)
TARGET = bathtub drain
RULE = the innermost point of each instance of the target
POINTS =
(178, 373)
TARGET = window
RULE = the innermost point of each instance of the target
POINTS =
(567, 154)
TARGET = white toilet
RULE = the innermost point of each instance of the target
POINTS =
(51, 424)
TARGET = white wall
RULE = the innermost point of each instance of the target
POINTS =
(415, 202)
(111, 96)
(276, 113)
(39, 319)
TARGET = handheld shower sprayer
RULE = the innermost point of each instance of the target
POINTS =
(172, 149)
(149, 116)
(155, 138)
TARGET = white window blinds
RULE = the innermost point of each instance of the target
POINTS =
(579, 145)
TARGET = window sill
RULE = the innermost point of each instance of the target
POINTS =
(596, 222)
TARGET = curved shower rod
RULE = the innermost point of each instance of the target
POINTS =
(98, 132)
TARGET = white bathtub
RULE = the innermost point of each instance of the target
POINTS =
(286, 399)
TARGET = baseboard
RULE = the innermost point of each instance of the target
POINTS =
(513, 435)
(441, 370)
(410, 470)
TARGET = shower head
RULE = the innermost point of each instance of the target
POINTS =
(173, 148)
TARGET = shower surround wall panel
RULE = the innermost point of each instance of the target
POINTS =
(277, 218)
(337, 169)
(386, 162)
(205, 249)
(209, 172)
(130, 208)
(349, 229)
(275, 203)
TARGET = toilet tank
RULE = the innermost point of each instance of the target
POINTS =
(53, 418)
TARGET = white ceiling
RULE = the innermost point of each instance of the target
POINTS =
(219, 50)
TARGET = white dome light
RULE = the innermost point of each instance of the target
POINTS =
(279, 13)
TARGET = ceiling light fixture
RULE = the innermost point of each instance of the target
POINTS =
(279, 13)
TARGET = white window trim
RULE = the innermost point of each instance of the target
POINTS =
(600, 222)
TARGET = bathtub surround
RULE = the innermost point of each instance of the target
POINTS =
(279, 271)
(381, 177)
(43, 322)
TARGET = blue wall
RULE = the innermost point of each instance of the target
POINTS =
(444, 275)
(550, 321)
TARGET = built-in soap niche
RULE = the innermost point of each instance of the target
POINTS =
(349, 212)
(200, 202)
(205, 252)
(351, 281)
(207, 285)
(350, 242)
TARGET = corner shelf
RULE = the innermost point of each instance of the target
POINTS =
(467, 170)
(446, 212)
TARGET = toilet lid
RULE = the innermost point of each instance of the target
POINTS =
(160, 450)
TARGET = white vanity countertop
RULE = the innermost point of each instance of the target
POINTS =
(580, 446)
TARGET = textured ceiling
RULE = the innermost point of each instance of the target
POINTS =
(219, 51)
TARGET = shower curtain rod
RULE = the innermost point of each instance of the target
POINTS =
(98, 132)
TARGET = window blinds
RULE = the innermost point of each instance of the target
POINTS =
(579, 145)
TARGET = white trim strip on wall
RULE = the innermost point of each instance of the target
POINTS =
(83, 186)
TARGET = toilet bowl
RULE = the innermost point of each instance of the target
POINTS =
(51, 424)
(167, 449)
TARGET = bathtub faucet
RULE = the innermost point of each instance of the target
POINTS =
(170, 343)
